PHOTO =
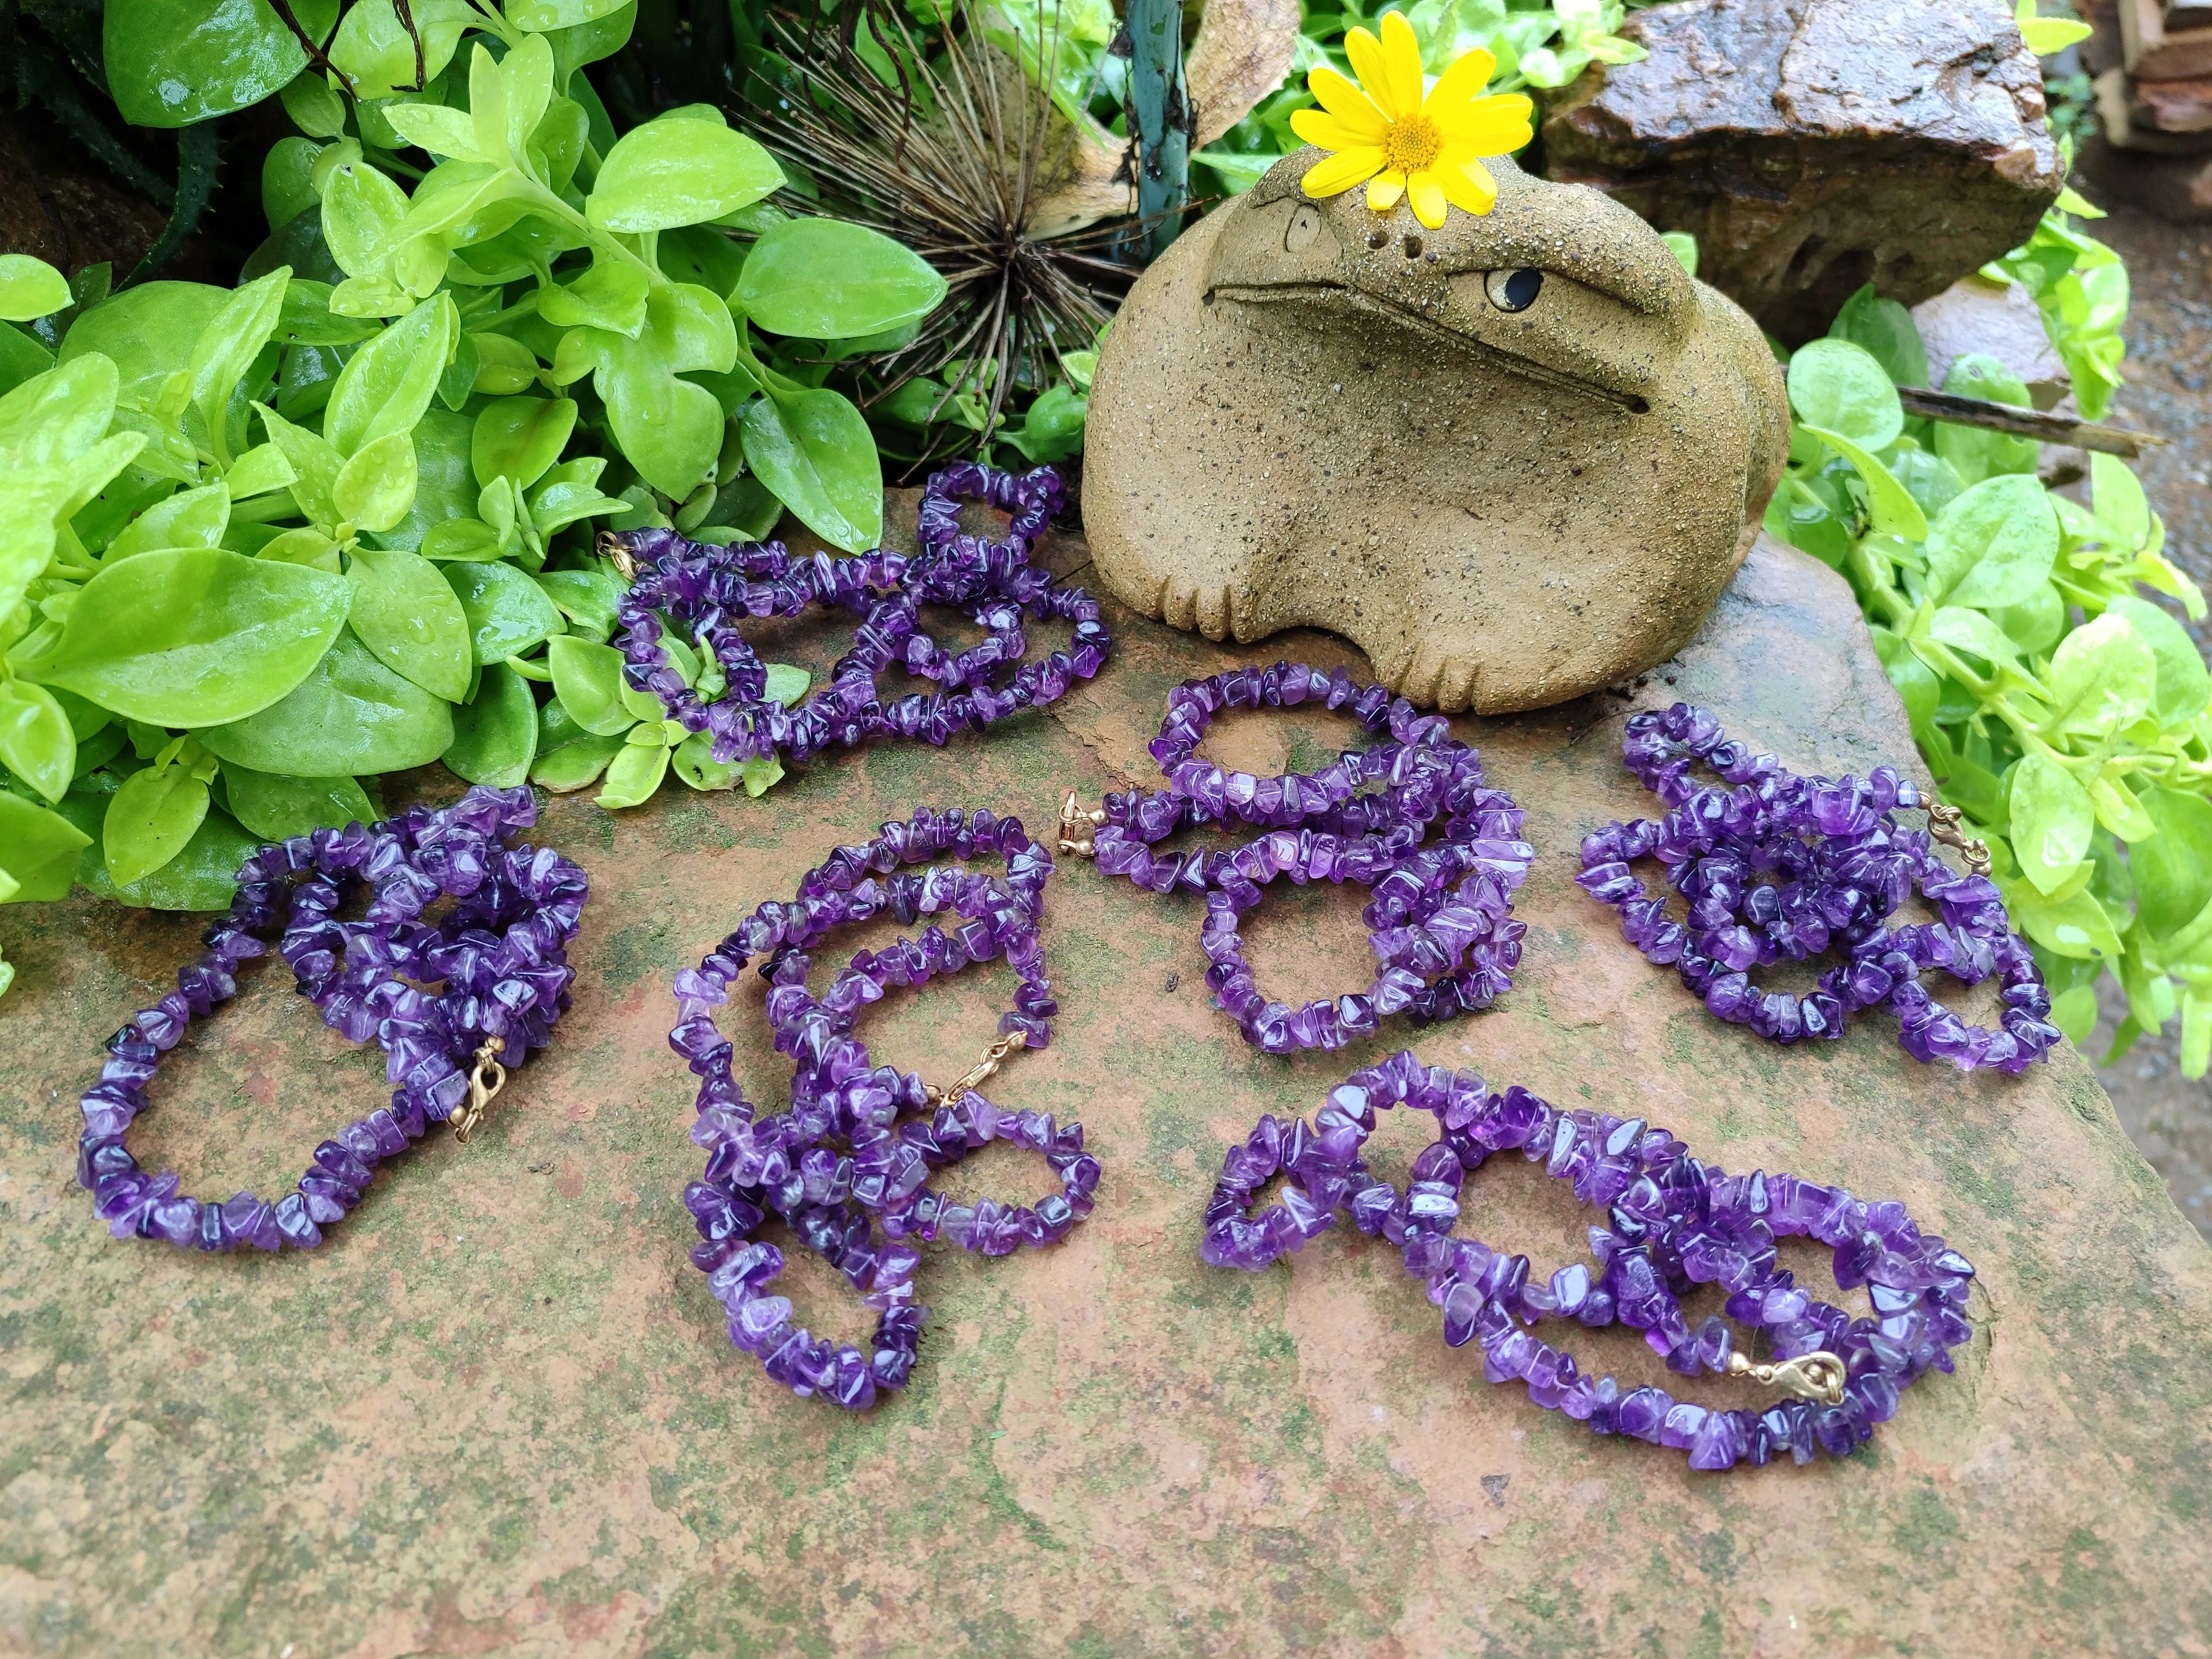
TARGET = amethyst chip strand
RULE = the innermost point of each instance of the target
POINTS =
(498, 954)
(708, 589)
(857, 1145)
(1779, 866)
(1674, 1223)
(1440, 921)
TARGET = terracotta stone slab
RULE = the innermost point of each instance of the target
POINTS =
(497, 1414)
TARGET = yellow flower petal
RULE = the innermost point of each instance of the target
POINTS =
(1348, 104)
(1498, 126)
(1330, 131)
(1402, 60)
(1467, 187)
(1341, 171)
(1383, 190)
(1460, 84)
(1373, 70)
(1428, 198)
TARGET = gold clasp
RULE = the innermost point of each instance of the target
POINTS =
(1943, 826)
(611, 546)
(1810, 1377)
(980, 1073)
(481, 1090)
(1076, 826)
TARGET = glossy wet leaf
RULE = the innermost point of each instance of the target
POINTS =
(38, 850)
(350, 716)
(823, 279)
(173, 63)
(1890, 506)
(633, 776)
(38, 742)
(521, 438)
(576, 765)
(587, 598)
(2184, 683)
(190, 518)
(2103, 676)
(31, 287)
(376, 486)
(1838, 385)
(673, 171)
(445, 490)
(149, 820)
(587, 678)
(275, 806)
(508, 612)
(1885, 329)
(197, 637)
(1995, 545)
(408, 617)
(387, 385)
(496, 736)
(2173, 868)
(610, 295)
(378, 53)
(2051, 821)
(815, 451)
(147, 331)
(202, 877)
(227, 346)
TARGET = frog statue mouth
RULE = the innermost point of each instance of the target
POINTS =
(1327, 297)
(1513, 457)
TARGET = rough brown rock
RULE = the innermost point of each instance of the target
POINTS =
(497, 1413)
(1309, 413)
(1812, 146)
(1999, 321)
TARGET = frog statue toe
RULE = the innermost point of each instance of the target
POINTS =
(1513, 460)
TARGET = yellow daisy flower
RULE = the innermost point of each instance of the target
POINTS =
(1382, 131)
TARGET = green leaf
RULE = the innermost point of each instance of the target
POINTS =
(823, 279)
(379, 55)
(386, 386)
(196, 637)
(1837, 385)
(1974, 452)
(441, 131)
(314, 463)
(2074, 1013)
(1885, 331)
(508, 612)
(304, 546)
(52, 420)
(2122, 508)
(444, 490)
(203, 877)
(669, 429)
(673, 171)
(1995, 545)
(31, 287)
(587, 678)
(1890, 505)
(351, 716)
(2074, 927)
(147, 331)
(2173, 868)
(612, 295)
(408, 617)
(37, 740)
(1970, 630)
(2103, 676)
(376, 486)
(541, 16)
(633, 774)
(694, 763)
(587, 598)
(276, 807)
(463, 540)
(575, 765)
(815, 451)
(787, 684)
(2117, 809)
(315, 109)
(21, 358)
(2051, 820)
(261, 470)
(2035, 623)
(38, 850)
(2046, 35)
(149, 820)
(495, 737)
(227, 346)
(521, 438)
(2184, 684)
(173, 63)
(1927, 478)
(759, 776)
(190, 518)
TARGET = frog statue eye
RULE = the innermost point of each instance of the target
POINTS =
(1305, 228)
(1513, 290)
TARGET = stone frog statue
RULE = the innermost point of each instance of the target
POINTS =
(1514, 460)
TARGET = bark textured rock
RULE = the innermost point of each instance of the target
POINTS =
(1812, 146)
(497, 1413)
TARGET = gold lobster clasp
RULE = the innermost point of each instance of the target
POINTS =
(608, 545)
(488, 1078)
(1818, 1376)
(980, 1073)
(1943, 826)
(1076, 826)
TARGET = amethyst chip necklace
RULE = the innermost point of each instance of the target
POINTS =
(708, 589)
(846, 1168)
(499, 954)
(1777, 866)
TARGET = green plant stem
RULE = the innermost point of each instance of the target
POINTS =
(1161, 117)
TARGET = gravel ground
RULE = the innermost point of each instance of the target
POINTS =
(2169, 391)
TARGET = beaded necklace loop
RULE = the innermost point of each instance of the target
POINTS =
(499, 954)
(1779, 866)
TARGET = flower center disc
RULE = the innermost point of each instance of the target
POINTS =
(1412, 145)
